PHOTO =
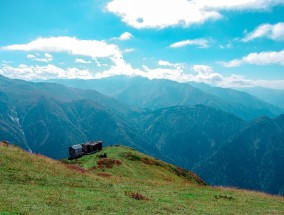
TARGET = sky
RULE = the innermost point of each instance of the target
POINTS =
(236, 43)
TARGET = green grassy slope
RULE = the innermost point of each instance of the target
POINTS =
(33, 184)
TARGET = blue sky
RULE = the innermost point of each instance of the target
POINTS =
(237, 43)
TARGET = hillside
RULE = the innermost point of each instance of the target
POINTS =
(252, 159)
(135, 184)
(187, 134)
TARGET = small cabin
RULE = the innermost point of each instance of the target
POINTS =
(92, 147)
(79, 150)
(75, 151)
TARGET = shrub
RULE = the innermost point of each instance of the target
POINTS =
(108, 163)
(132, 157)
(76, 168)
(148, 161)
(102, 155)
(224, 197)
(188, 175)
(136, 195)
(106, 175)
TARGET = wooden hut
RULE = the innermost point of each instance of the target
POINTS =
(75, 151)
(92, 147)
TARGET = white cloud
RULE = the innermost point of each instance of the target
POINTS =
(47, 57)
(44, 72)
(203, 69)
(200, 43)
(120, 67)
(125, 36)
(78, 60)
(167, 63)
(273, 32)
(201, 73)
(165, 13)
(71, 45)
(164, 73)
(207, 75)
(128, 50)
(262, 58)
(226, 46)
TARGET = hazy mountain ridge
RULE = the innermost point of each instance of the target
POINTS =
(272, 96)
(158, 93)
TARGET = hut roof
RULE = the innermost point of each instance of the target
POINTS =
(78, 146)
(93, 143)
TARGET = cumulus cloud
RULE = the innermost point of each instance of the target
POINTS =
(261, 58)
(200, 43)
(47, 57)
(120, 67)
(161, 13)
(128, 50)
(44, 72)
(273, 32)
(200, 73)
(126, 36)
(78, 60)
(71, 45)
(167, 63)
(174, 74)
(207, 75)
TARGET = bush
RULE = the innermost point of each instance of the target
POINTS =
(188, 175)
(132, 157)
(108, 163)
(76, 168)
(224, 197)
(106, 175)
(136, 195)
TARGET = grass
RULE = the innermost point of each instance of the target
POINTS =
(34, 184)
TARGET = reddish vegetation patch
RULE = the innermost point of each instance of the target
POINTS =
(77, 168)
(108, 163)
(102, 174)
(136, 195)
(5, 143)
(148, 161)
(188, 175)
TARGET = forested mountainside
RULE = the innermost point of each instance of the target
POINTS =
(47, 118)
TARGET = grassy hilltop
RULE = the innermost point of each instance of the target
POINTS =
(126, 182)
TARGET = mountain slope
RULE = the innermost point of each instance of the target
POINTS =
(9, 123)
(189, 133)
(252, 159)
(48, 118)
(32, 184)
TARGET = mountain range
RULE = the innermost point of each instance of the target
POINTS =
(158, 93)
(228, 137)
